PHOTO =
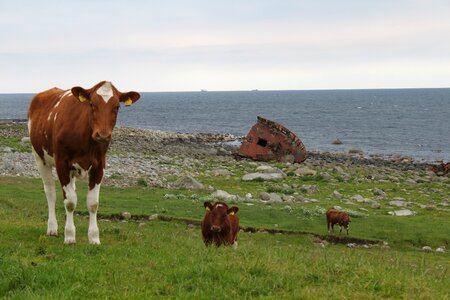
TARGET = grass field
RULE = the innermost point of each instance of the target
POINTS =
(168, 259)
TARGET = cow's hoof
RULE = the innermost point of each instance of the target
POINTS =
(52, 232)
(94, 242)
(69, 241)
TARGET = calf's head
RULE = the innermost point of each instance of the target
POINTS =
(104, 103)
(217, 216)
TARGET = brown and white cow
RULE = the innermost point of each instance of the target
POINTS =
(338, 217)
(220, 225)
(71, 130)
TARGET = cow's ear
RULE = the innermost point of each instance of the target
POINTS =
(208, 206)
(129, 98)
(232, 210)
(80, 93)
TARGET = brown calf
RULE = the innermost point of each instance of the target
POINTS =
(71, 131)
(338, 217)
(220, 224)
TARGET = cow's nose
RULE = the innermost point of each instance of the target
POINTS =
(216, 228)
(102, 137)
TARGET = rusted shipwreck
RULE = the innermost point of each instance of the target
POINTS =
(268, 140)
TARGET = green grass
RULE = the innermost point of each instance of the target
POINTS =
(168, 259)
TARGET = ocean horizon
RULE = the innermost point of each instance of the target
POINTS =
(406, 122)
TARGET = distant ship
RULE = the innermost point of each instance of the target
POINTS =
(203, 91)
(255, 90)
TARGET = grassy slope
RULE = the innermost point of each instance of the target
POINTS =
(169, 259)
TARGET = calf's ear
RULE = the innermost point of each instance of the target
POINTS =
(80, 93)
(208, 206)
(232, 210)
(129, 98)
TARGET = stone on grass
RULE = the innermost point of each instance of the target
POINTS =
(221, 172)
(223, 195)
(309, 188)
(125, 215)
(426, 249)
(262, 176)
(398, 203)
(153, 217)
(376, 205)
(304, 171)
(360, 199)
(268, 169)
(337, 195)
(402, 213)
(187, 182)
(441, 249)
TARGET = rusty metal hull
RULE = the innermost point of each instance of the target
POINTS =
(268, 140)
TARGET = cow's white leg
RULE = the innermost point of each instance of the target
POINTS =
(70, 203)
(50, 193)
(92, 202)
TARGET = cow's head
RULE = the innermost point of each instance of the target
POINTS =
(217, 215)
(104, 102)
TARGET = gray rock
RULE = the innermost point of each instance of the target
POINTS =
(288, 198)
(264, 196)
(410, 181)
(268, 169)
(337, 207)
(262, 176)
(223, 195)
(221, 172)
(125, 215)
(25, 139)
(6, 149)
(426, 249)
(275, 198)
(402, 213)
(327, 176)
(376, 205)
(360, 199)
(441, 249)
(398, 203)
(337, 195)
(351, 245)
(304, 171)
(153, 217)
(309, 188)
(187, 182)
(379, 192)
(337, 142)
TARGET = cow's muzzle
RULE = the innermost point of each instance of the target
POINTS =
(215, 228)
(101, 138)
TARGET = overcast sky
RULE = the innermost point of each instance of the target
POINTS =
(174, 45)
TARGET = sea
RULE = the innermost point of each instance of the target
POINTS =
(390, 122)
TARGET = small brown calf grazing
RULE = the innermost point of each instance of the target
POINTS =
(337, 217)
(220, 224)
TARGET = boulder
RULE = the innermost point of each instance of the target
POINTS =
(309, 188)
(337, 195)
(337, 142)
(125, 215)
(402, 213)
(223, 195)
(360, 199)
(426, 249)
(187, 182)
(221, 172)
(398, 203)
(441, 249)
(262, 176)
(268, 169)
(304, 171)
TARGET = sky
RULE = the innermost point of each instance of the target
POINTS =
(174, 45)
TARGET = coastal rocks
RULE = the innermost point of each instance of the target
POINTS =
(187, 182)
(337, 142)
(262, 176)
(402, 213)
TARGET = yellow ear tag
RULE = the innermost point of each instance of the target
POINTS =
(207, 208)
(231, 213)
(81, 98)
(128, 102)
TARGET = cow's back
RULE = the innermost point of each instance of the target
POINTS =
(40, 123)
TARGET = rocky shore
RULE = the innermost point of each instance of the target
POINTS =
(157, 158)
